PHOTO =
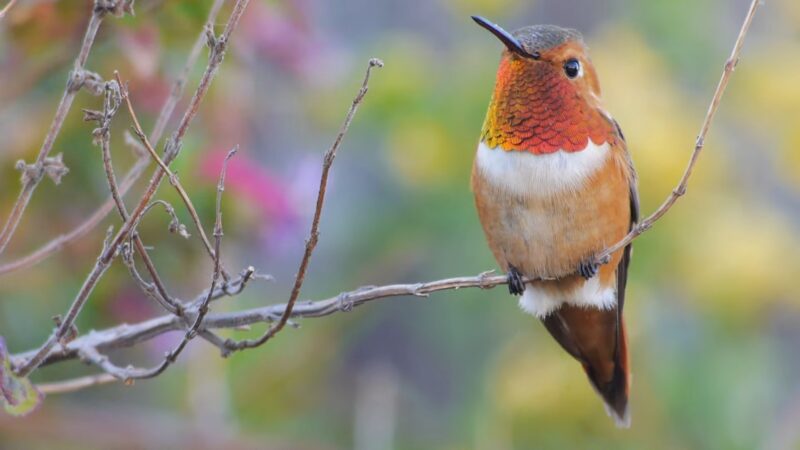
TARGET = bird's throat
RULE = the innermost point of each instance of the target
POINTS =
(536, 109)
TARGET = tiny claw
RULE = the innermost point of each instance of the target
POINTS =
(515, 284)
(588, 268)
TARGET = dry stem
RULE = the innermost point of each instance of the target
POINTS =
(110, 250)
(311, 243)
(135, 172)
(77, 78)
(605, 256)
(90, 345)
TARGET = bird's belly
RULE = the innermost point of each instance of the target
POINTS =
(544, 214)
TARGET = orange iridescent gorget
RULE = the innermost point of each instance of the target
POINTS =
(540, 111)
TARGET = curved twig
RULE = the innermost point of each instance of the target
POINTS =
(680, 190)
(134, 173)
(311, 243)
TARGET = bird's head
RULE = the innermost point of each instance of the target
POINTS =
(547, 95)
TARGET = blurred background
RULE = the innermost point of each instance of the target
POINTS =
(714, 299)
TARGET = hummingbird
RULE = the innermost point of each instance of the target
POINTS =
(554, 185)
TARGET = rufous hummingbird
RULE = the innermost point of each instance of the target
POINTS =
(554, 185)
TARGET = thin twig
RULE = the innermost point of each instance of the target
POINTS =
(311, 243)
(180, 83)
(605, 256)
(75, 384)
(57, 243)
(155, 290)
(131, 373)
(218, 46)
(173, 179)
(6, 8)
(131, 334)
(66, 324)
(218, 50)
(77, 79)
(127, 335)
(135, 171)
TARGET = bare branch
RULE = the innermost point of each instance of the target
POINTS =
(130, 373)
(75, 384)
(155, 290)
(180, 82)
(111, 249)
(173, 178)
(77, 79)
(311, 243)
(91, 346)
(7, 8)
(135, 171)
(605, 256)
(131, 334)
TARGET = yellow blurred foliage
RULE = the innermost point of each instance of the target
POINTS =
(634, 78)
(768, 99)
(420, 150)
(536, 378)
(496, 8)
(741, 260)
(408, 58)
(791, 10)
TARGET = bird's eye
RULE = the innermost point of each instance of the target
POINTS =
(572, 68)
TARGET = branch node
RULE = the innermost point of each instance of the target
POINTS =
(71, 333)
(31, 173)
(482, 277)
(345, 304)
(699, 143)
(80, 78)
(117, 8)
(52, 166)
(416, 290)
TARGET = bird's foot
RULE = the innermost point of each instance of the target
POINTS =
(588, 268)
(515, 284)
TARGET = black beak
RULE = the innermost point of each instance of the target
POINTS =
(510, 41)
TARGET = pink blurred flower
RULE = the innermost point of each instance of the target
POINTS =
(141, 48)
(247, 180)
(285, 37)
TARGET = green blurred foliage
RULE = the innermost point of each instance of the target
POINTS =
(714, 303)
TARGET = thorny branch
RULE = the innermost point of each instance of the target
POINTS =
(91, 345)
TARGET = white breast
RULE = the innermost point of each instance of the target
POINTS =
(523, 173)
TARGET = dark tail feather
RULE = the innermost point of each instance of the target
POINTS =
(596, 338)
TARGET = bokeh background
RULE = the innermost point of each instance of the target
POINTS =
(714, 295)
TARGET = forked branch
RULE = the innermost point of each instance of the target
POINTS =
(92, 346)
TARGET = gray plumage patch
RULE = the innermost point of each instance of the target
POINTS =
(538, 38)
